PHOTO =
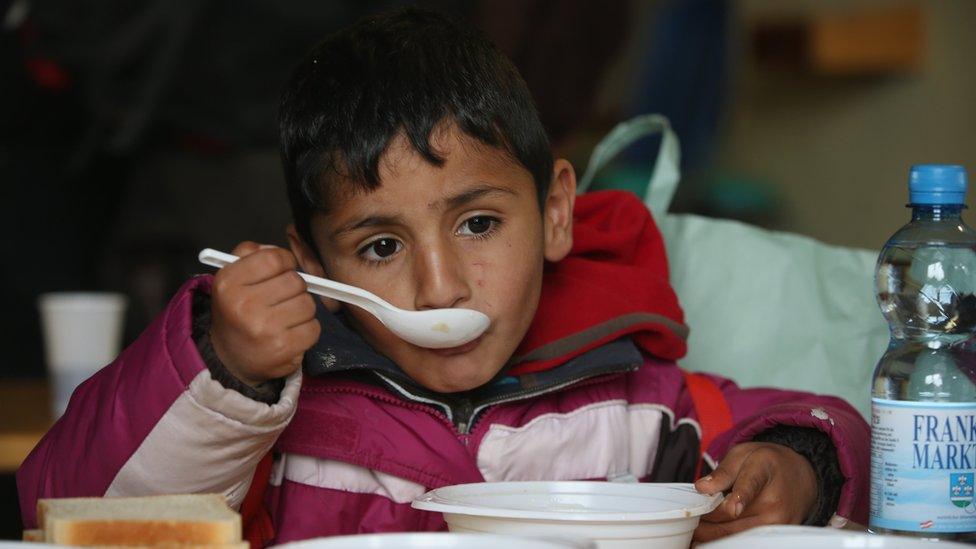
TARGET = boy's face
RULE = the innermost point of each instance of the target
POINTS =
(467, 234)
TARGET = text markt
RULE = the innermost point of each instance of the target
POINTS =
(944, 442)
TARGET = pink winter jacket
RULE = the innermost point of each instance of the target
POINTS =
(350, 454)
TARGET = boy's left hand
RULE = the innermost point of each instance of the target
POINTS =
(770, 483)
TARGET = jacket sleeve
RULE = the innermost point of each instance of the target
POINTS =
(756, 411)
(155, 421)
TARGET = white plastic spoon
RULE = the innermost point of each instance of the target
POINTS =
(433, 328)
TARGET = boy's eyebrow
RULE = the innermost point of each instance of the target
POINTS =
(371, 221)
(449, 203)
(463, 198)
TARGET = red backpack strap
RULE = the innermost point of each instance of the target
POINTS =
(258, 527)
(714, 415)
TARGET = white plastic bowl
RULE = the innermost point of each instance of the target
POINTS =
(808, 537)
(436, 540)
(614, 515)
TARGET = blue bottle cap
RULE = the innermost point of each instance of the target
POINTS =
(937, 184)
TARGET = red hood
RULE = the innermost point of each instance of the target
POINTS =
(614, 283)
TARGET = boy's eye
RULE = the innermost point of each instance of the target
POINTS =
(380, 249)
(478, 224)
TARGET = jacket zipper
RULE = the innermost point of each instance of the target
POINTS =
(392, 400)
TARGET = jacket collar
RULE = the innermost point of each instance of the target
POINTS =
(341, 350)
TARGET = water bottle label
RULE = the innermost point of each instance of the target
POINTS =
(923, 464)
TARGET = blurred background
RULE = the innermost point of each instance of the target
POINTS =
(135, 133)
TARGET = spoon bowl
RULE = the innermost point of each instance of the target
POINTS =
(431, 328)
(438, 328)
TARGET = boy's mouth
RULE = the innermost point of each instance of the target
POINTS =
(460, 349)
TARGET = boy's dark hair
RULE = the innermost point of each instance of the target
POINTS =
(407, 71)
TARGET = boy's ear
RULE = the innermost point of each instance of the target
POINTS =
(308, 262)
(558, 211)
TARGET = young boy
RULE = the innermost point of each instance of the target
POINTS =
(417, 169)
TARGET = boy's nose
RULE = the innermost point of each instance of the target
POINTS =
(440, 280)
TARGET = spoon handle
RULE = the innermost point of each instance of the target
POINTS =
(316, 285)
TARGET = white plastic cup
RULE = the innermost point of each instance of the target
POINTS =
(82, 332)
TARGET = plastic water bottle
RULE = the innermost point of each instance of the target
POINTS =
(923, 412)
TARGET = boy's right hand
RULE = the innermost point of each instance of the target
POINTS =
(262, 317)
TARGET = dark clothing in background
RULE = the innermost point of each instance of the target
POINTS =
(562, 48)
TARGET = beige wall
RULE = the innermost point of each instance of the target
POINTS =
(838, 150)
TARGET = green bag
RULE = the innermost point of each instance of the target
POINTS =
(765, 308)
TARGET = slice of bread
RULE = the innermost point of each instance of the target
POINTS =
(37, 536)
(173, 520)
